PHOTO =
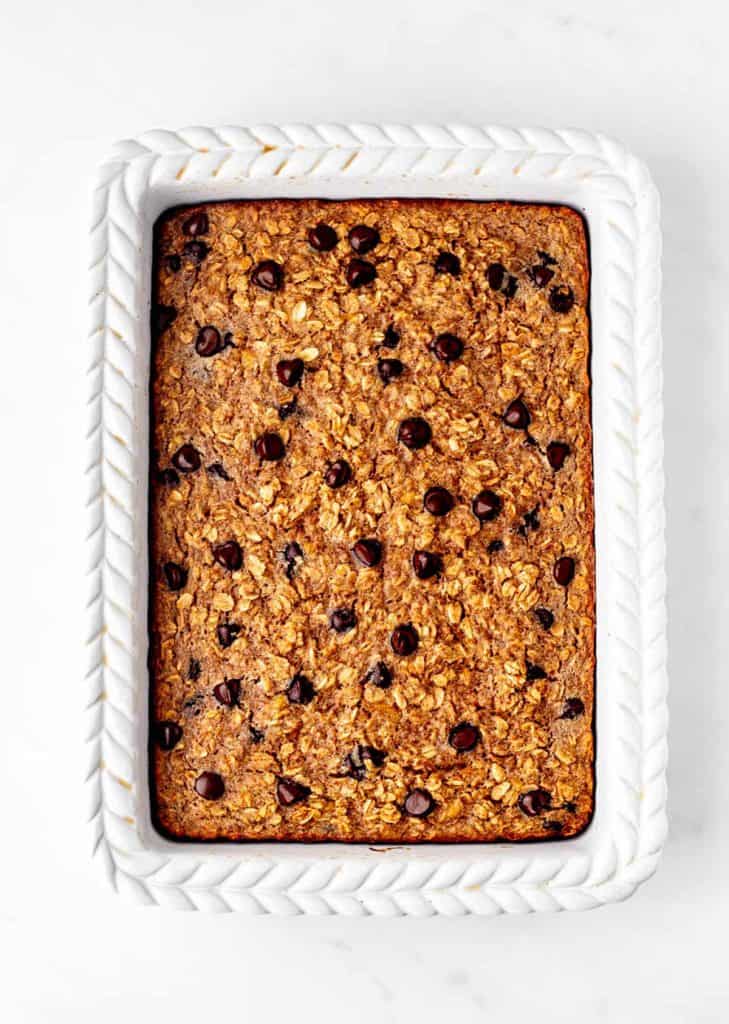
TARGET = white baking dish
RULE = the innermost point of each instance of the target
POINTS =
(614, 192)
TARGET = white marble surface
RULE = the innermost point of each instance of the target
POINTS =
(73, 78)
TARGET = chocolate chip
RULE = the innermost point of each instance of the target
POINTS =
(553, 826)
(163, 317)
(209, 786)
(289, 792)
(197, 224)
(168, 476)
(464, 737)
(448, 263)
(561, 298)
(557, 452)
(300, 690)
(517, 415)
(323, 238)
(342, 620)
(208, 342)
(228, 633)
(447, 348)
(195, 251)
(287, 409)
(438, 501)
(269, 447)
(228, 693)
(564, 570)
(389, 369)
(229, 555)
(174, 262)
(290, 371)
(426, 564)
(534, 672)
(193, 670)
(291, 553)
(495, 276)
(540, 275)
(338, 474)
(175, 575)
(377, 757)
(167, 734)
(546, 258)
(573, 708)
(544, 617)
(268, 275)
(418, 803)
(392, 337)
(368, 552)
(414, 433)
(257, 735)
(535, 802)
(494, 546)
(404, 640)
(186, 459)
(510, 288)
(486, 506)
(363, 239)
(360, 272)
(218, 469)
(379, 675)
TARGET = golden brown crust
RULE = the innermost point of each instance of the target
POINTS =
(476, 621)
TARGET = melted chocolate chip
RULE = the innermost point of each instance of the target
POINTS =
(289, 792)
(544, 617)
(561, 298)
(167, 734)
(438, 501)
(195, 251)
(464, 737)
(174, 262)
(228, 633)
(197, 224)
(486, 506)
(447, 348)
(534, 672)
(257, 735)
(268, 275)
(229, 555)
(510, 288)
(208, 342)
(494, 546)
(291, 553)
(392, 337)
(404, 640)
(535, 802)
(193, 670)
(168, 476)
(573, 708)
(517, 415)
(414, 433)
(163, 317)
(323, 238)
(338, 474)
(175, 575)
(531, 521)
(426, 564)
(269, 447)
(290, 371)
(360, 272)
(355, 762)
(546, 259)
(557, 452)
(287, 409)
(540, 275)
(379, 675)
(218, 469)
(194, 705)
(553, 826)
(363, 239)
(564, 570)
(228, 693)
(342, 620)
(368, 552)
(418, 803)
(495, 276)
(448, 263)
(209, 786)
(186, 459)
(300, 690)
(389, 369)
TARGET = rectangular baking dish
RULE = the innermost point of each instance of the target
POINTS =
(614, 192)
